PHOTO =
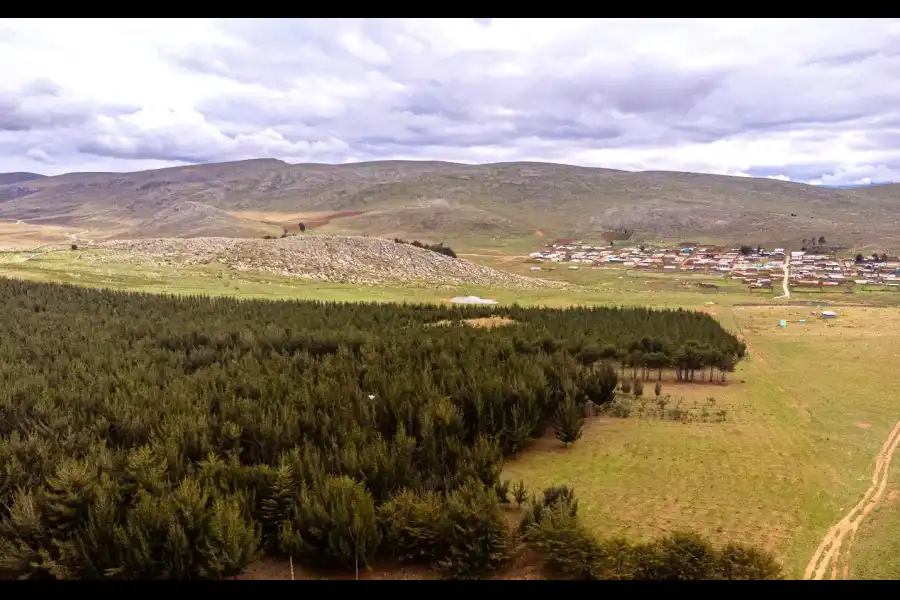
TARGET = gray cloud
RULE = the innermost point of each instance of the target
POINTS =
(647, 94)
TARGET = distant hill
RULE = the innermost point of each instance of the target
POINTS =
(9, 178)
(445, 201)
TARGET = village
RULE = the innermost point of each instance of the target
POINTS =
(757, 267)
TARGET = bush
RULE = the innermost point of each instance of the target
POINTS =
(186, 534)
(680, 556)
(565, 544)
(553, 498)
(463, 533)
(737, 561)
(568, 421)
(501, 488)
(637, 388)
(520, 492)
(333, 524)
(477, 536)
(413, 525)
(600, 385)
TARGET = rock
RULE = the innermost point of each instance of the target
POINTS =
(356, 260)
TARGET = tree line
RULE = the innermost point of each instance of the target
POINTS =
(149, 436)
(440, 248)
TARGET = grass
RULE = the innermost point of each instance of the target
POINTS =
(796, 453)
(70, 267)
(876, 550)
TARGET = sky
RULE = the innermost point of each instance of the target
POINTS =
(808, 100)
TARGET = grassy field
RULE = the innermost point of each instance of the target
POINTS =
(805, 423)
(807, 412)
(605, 286)
(876, 550)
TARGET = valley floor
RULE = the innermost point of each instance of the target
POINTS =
(808, 410)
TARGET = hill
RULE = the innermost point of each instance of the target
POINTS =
(356, 260)
(437, 200)
(8, 178)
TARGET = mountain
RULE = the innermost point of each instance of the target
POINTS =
(437, 201)
(9, 178)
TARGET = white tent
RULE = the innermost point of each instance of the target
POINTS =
(471, 300)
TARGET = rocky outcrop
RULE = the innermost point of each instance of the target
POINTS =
(340, 259)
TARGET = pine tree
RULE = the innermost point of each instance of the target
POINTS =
(230, 541)
(520, 493)
(279, 505)
(569, 421)
(67, 496)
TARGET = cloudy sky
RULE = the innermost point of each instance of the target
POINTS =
(810, 100)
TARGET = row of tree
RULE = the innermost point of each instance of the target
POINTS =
(153, 436)
(875, 258)
(440, 248)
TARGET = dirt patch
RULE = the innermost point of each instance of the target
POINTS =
(271, 569)
(864, 425)
(539, 232)
(322, 221)
(290, 222)
(481, 322)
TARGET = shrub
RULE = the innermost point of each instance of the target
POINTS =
(501, 488)
(565, 544)
(737, 561)
(477, 536)
(520, 492)
(463, 533)
(680, 556)
(600, 385)
(568, 421)
(637, 388)
(334, 524)
(413, 525)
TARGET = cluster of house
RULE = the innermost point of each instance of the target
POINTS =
(886, 273)
(757, 268)
(816, 270)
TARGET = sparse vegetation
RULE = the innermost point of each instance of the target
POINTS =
(439, 248)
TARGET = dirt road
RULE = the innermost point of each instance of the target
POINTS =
(833, 554)
(787, 272)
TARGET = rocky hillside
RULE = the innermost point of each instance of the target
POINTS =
(437, 201)
(357, 260)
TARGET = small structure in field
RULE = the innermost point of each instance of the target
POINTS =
(828, 314)
(471, 300)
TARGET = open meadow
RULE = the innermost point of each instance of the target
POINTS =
(806, 412)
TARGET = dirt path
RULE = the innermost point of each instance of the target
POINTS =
(784, 284)
(829, 556)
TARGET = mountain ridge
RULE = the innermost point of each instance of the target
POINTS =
(442, 200)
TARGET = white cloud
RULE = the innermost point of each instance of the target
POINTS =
(793, 99)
